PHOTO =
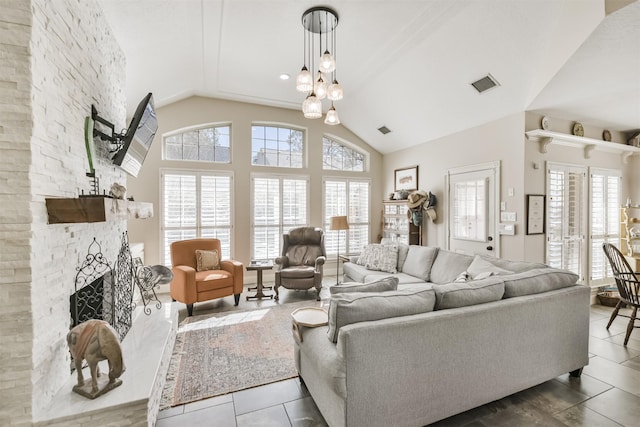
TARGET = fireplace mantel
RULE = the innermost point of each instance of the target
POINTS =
(95, 209)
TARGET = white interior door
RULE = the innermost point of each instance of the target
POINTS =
(472, 209)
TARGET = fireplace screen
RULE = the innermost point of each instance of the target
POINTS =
(102, 293)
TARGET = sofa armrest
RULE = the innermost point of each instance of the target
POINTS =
(183, 284)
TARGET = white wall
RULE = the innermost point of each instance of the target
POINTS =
(499, 140)
(58, 59)
(197, 111)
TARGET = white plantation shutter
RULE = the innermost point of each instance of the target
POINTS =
(196, 204)
(279, 204)
(348, 197)
(605, 221)
(565, 217)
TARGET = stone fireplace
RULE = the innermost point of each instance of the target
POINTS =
(63, 59)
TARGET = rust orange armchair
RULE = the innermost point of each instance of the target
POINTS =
(197, 279)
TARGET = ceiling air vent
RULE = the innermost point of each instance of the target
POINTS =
(384, 130)
(485, 83)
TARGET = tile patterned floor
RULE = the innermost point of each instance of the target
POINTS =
(607, 394)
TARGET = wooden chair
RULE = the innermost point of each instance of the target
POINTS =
(190, 285)
(628, 286)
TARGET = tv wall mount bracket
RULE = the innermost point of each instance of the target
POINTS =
(114, 138)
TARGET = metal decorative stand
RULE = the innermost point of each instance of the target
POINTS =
(148, 279)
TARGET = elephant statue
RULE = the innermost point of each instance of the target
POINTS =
(95, 340)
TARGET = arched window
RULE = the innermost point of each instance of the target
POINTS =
(338, 156)
(277, 146)
(210, 143)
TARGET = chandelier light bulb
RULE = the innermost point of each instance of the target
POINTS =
(320, 87)
(327, 63)
(312, 107)
(334, 91)
(332, 117)
(304, 81)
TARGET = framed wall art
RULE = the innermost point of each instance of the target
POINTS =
(535, 214)
(406, 178)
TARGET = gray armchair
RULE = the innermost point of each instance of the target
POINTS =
(303, 255)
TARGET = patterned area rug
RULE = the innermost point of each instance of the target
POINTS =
(221, 353)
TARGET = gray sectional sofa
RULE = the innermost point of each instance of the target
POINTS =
(445, 333)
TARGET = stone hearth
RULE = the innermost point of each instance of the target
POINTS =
(146, 351)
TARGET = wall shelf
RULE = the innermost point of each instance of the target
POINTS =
(95, 209)
(545, 137)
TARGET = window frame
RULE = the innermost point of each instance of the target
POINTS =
(614, 237)
(198, 173)
(288, 126)
(326, 219)
(198, 127)
(350, 146)
(280, 225)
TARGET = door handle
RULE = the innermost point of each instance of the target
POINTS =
(489, 248)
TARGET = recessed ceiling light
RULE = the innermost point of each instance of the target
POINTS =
(284, 76)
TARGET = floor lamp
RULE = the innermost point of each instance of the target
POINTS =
(338, 223)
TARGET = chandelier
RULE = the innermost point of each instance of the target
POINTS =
(319, 25)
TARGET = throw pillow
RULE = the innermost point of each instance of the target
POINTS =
(207, 260)
(419, 261)
(403, 249)
(382, 285)
(380, 257)
(348, 308)
(480, 266)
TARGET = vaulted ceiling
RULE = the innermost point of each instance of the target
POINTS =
(406, 64)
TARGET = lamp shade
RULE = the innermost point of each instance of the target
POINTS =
(339, 223)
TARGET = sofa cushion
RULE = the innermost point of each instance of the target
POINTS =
(380, 257)
(207, 260)
(357, 272)
(515, 266)
(481, 268)
(536, 281)
(419, 261)
(462, 294)
(388, 283)
(448, 265)
(348, 308)
(403, 250)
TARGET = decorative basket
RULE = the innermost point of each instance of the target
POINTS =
(609, 298)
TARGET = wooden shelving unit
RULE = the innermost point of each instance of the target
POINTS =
(546, 137)
(629, 222)
(95, 209)
(396, 224)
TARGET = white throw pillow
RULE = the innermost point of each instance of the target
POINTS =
(480, 268)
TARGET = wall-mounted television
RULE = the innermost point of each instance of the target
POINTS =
(138, 138)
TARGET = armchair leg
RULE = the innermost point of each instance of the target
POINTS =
(190, 309)
(275, 288)
(236, 298)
